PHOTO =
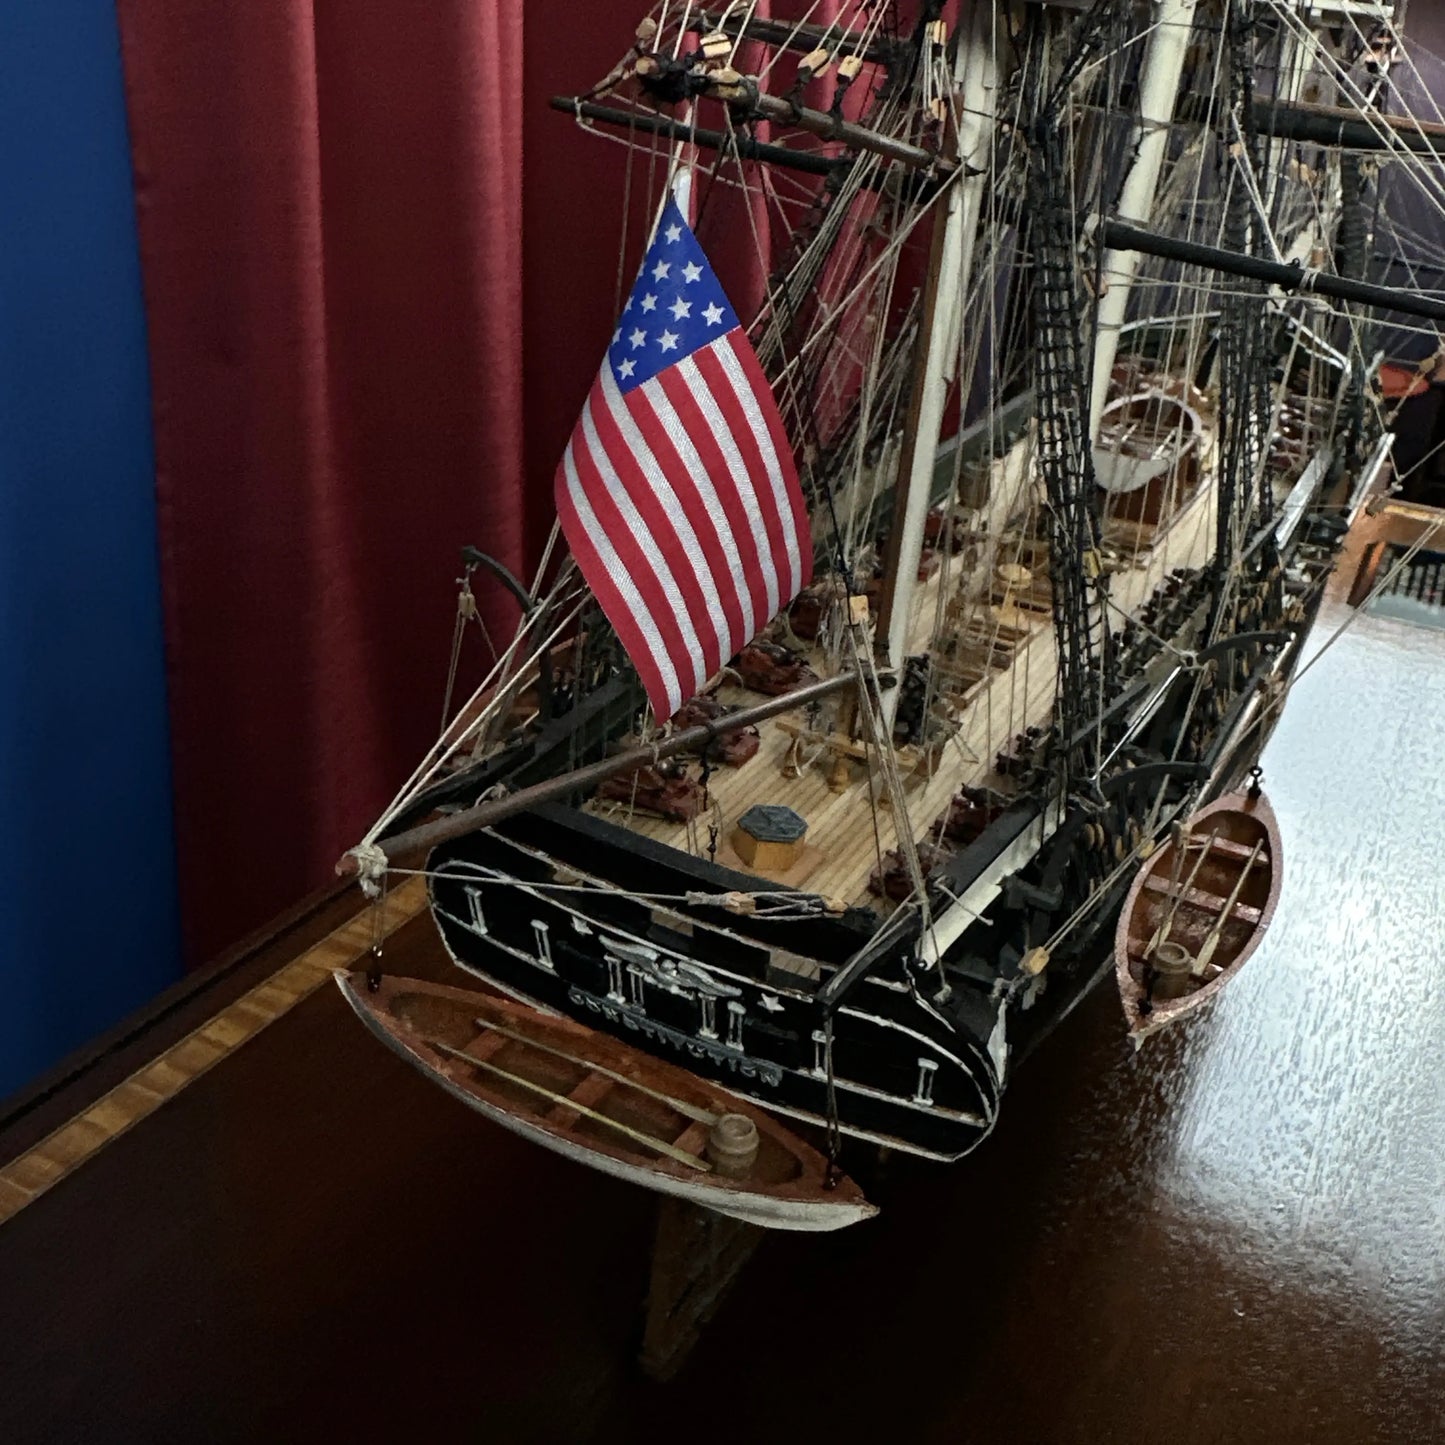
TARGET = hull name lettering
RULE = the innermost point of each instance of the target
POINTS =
(741, 1064)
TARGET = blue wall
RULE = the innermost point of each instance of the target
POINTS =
(87, 878)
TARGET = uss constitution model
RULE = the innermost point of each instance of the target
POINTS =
(825, 753)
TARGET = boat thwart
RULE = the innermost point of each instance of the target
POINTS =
(595, 1100)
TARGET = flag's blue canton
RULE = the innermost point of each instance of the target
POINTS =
(676, 306)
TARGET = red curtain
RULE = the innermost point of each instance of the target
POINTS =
(365, 239)
(330, 211)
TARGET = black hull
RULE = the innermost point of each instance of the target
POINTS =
(685, 982)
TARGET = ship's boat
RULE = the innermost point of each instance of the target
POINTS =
(591, 1098)
(1197, 910)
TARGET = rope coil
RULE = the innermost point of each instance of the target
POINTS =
(371, 867)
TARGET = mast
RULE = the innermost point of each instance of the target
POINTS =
(1242, 488)
(1292, 63)
(951, 267)
(743, 91)
(1355, 244)
(1159, 80)
(737, 143)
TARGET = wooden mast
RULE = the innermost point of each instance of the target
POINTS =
(950, 267)
(1158, 92)
(1361, 130)
(743, 91)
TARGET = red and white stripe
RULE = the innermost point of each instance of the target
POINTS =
(681, 504)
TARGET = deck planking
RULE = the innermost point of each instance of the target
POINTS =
(846, 833)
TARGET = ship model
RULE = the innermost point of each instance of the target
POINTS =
(827, 786)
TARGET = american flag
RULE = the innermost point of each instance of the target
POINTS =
(677, 492)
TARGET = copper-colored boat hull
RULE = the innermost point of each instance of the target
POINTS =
(1180, 899)
(593, 1099)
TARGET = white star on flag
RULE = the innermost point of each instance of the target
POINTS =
(667, 341)
(649, 303)
(660, 270)
(637, 338)
(712, 314)
(690, 272)
(681, 308)
(673, 232)
(627, 368)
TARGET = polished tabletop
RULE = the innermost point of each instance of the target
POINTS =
(1237, 1234)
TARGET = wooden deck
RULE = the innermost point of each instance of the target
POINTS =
(843, 843)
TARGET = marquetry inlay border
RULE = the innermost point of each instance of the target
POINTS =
(60, 1154)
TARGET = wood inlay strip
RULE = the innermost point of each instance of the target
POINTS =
(58, 1155)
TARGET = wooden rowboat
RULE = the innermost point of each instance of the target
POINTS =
(1197, 909)
(591, 1098)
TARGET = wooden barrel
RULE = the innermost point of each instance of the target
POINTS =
(1171, 963)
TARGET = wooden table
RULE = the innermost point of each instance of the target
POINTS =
(239, 1217)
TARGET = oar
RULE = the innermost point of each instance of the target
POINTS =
(1167, 922)
(1211, 941)
(1182, 836)
(691, 1160)
(690, 1110)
